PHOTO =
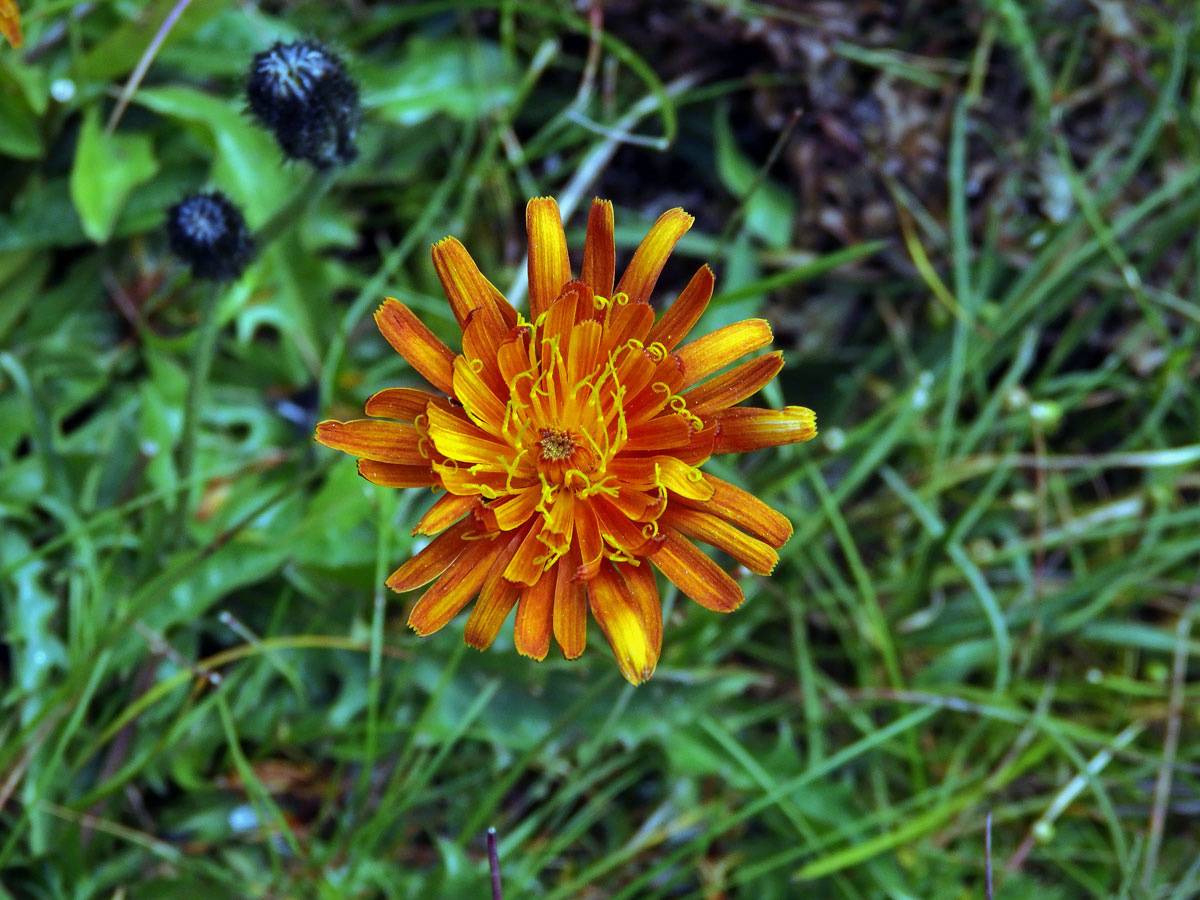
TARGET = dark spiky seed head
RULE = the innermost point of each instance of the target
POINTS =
(302, 92)
(209, 233)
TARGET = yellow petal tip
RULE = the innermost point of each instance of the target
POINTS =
(635, 675)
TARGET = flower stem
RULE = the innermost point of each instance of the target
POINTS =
(202, 356)
(315, 187)
(494, 864)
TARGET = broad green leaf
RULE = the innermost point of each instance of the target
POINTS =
(248, 165)
(162, 401)
(19, 133)
(30, 631)
(30, 78)
(740, 270)
(443, 76)
(45, 216)
(106, 169)
(121, 48)
(223, 46)
(21, 277)
(769, 209)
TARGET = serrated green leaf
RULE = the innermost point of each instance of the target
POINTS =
(107, 167)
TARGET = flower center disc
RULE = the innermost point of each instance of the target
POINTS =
(556, 445)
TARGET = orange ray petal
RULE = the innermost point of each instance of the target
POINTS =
(681, 479)
(734, 386)
(628, 321)
(432, 560)
(743, 509)
(590, 542)
(585, 299)
(697, 576)
(716, 350)
(745, 428)
(670, 372)
(512, 359)
(685, 312)
(455, 587)
(481, 346)
(599, 249)
(570, 607)
(523, 566)
(651, 255)
(464, 441)
(517, 508)
(461, 480)
(583, 352)
(636, 504)
(658, 434)
(497, 597)
(698, 448)
(448, 509)
(466, 288)
(404, 404)
(535, 613)
(390, 442)
(10, 22)
(559, 519)
(620, 618)
(617, 528)
(560, 317)
(635, 371)
(644, 473)
(549, 267)
(489, 613)
(479, 401)
(643, 590)
(419, 346)
(665, 382)
(752, 553)
(486, 519)
(636, 472)
(396, 476)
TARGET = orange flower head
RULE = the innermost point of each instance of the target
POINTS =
(567, 446)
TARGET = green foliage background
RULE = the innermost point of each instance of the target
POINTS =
(978, 244)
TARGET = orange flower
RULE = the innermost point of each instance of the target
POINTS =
(10, 22)
(567, 446)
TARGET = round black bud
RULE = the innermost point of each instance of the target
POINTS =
(302, 93)
(209, 233)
